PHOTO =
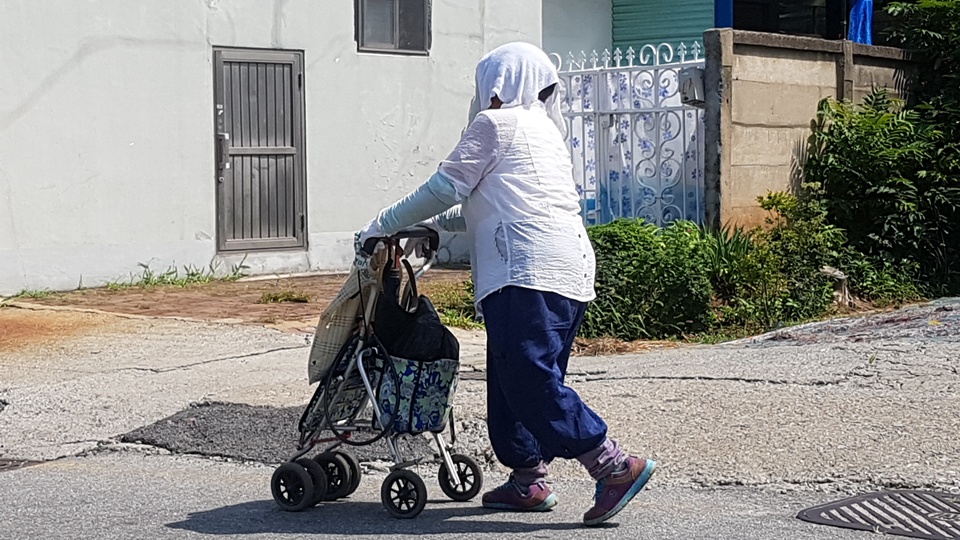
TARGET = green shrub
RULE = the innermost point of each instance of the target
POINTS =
(892, 183)
(931, 30)
(880, 281)
(651, 282)
(778, 280)
(727, 251)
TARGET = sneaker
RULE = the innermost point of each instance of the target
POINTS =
(513, 496)
(616, 490)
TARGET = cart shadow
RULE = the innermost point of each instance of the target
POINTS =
(354, 518)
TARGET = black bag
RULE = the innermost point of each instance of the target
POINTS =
(411, 329)
(417, 395)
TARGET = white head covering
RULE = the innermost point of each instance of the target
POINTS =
(516, 73)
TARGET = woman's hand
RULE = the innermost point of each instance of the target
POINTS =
(421, 246)
(370, 230)
(361, 258)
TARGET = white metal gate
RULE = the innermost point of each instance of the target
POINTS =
(637, 150)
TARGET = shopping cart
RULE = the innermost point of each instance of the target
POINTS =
(395, 377)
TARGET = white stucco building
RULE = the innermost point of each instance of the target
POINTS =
(185, 132)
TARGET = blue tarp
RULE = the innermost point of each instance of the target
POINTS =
(861, 22)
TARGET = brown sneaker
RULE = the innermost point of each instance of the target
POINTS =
(616, 490)
(517, 498)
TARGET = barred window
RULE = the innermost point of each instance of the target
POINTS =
(393, 26)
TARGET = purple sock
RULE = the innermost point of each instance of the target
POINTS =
(603, 460)
(529, 476)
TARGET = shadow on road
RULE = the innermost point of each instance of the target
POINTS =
(354, 518)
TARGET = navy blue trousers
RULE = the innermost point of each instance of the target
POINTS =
(532, 416)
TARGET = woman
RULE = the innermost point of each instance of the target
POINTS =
(533, 270)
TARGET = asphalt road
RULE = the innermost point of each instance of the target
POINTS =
(132, 495)
(171, 429)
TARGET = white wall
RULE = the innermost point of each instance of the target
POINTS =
(577, 25)
(106, 126)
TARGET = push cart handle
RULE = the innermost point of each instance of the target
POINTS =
(432, 236)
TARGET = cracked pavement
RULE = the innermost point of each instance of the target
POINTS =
(795, 418)
(70, 396)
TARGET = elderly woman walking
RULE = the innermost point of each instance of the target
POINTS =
(509, 184)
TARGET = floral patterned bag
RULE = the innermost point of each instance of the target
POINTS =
(416, 395)
(424, 398)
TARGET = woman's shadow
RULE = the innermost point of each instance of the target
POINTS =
(355, 518)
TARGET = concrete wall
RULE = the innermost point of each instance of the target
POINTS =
(762, 93)
(577, 25)
(106, 126)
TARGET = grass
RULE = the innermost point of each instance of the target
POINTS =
(284, 296)
(454, 303)
(34, 294)
(147, 278)
(456, 319)
(191, 275)
(719, 336)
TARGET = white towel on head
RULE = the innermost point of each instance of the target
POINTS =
(516, 73)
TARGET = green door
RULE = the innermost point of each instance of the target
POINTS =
(641, 22)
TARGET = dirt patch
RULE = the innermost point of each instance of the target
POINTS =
(249, 302)
(612, 346)
(24, 328)
(237, 302)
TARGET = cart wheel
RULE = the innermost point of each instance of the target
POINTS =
(319, 477)
(403, 494)
(355, 472)
(338, 475)
(469, 474)
(292, 487)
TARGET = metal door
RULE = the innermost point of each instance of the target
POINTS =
(259, 151)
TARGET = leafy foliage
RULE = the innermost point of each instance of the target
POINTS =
(651, 282)
(727, 252)
(931, 30)
(880, 201)
(892, 182)
(881, 281)
(683, 281)
(778, 280)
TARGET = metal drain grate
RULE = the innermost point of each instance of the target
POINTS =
(915, 514)
(11, 464)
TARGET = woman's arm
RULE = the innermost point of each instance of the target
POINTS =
(449, 221)
(474, 156)
(433, 197)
